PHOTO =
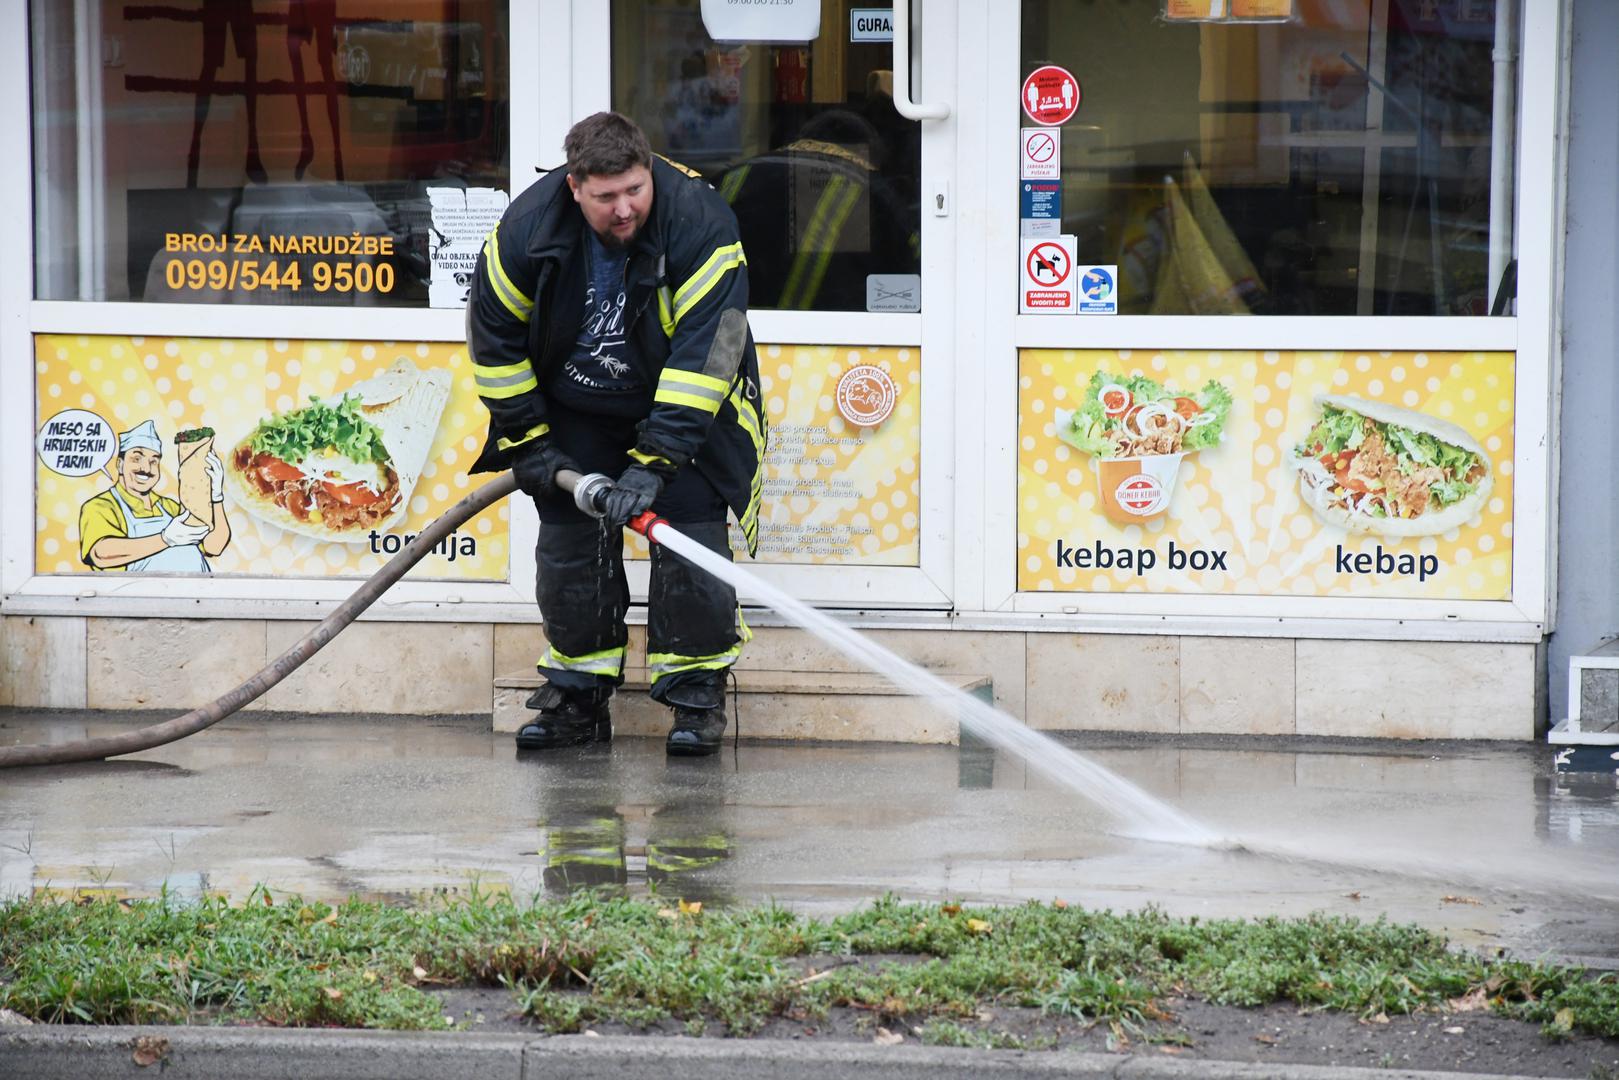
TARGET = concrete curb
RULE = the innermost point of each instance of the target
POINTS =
(48, 1052)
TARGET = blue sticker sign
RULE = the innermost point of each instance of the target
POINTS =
(1098, 290)
(1040, 207)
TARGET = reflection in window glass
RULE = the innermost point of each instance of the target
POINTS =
(1338, 163)
(262, 151)
(802, 140)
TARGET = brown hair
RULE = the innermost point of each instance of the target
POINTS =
(605, 144)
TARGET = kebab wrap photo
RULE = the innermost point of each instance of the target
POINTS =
(1137, 433)
(337, 468)
(196, 491)
(1375, 468)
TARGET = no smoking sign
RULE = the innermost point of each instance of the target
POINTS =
(1049, 285)
(1042, 154)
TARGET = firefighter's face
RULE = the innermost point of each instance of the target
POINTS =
(615, 206)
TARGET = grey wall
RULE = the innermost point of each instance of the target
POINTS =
(1588, 505)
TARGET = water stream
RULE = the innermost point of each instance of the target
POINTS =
(1137, 813)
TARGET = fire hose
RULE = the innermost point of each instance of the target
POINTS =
(587, 491)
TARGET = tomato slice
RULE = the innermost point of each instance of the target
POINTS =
(275, 470)
(355, 494)
(1340, 471)
(1115, 399)
(1187, 408)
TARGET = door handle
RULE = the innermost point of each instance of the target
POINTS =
(902, 70)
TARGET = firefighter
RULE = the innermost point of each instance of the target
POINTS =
(822, 216)
(607, 327)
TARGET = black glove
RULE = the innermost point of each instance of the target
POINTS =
(631, 495)
(537, 465)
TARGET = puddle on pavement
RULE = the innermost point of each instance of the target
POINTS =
(1491, 845)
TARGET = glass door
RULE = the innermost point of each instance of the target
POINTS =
(842, 207)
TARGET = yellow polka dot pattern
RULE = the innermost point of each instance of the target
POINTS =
(1243, 496)
(230, 385)
(835, 493)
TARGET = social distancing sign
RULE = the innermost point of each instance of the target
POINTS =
(1049, 285)
(1051, 95)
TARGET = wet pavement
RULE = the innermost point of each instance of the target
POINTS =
(1488, 843)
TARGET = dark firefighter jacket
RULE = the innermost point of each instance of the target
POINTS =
(685, 317)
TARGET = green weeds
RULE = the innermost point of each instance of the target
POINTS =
(591, 958)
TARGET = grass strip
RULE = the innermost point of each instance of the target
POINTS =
(594, 958)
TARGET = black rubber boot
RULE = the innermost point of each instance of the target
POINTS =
(566, 718)
(699, 726)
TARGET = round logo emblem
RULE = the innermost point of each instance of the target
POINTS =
(1139, 494)
(866, 395)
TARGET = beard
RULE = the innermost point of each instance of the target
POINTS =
(613, 242)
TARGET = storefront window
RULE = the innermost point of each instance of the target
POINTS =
(801, 139)
(331, 152)
(1336, 160)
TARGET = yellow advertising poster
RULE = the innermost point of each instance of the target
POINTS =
(296, 459)
(842, 477)
(1385, 474)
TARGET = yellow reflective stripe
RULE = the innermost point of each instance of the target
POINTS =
(666, 311)
(834, 230)
(832, 210)
(748, 418)
(505, 380)
(702, 283)
(731, 186)
(500, 371)
(500, 393)
(677, 166)
(677, 856)
(510, 295)
(692, 401)
(691, 388)
(662, 664)
(533, 433)
(605, 662)
(650, 459)
(591, 857)
(695, 380)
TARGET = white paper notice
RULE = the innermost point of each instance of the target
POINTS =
(462, 217)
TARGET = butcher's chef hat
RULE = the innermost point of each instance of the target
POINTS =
(141, 437)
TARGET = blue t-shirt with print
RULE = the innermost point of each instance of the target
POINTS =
(600, 376)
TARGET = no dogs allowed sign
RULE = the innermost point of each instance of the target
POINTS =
(1049, 285)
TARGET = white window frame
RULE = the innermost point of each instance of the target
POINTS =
(1530, 334)
(226, 596)
(969, 332)
(927, 586)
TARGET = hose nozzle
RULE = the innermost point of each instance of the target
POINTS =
(589, 489)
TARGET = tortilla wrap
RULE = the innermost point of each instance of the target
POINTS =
(406, 404)
(1454, 516)
(196, 491)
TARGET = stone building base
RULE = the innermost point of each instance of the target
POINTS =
(1052, 681)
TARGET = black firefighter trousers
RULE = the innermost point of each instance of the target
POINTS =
(694, 627)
